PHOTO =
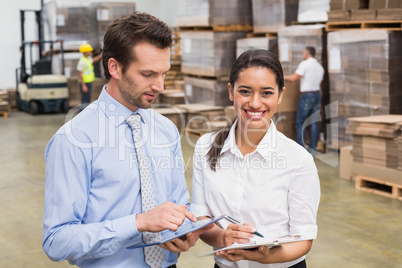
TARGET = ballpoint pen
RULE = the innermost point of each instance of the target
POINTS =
(232, 220)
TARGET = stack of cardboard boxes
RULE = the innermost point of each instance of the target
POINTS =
(208, 54)
(375, 160)
(365, 10)
(364, 67)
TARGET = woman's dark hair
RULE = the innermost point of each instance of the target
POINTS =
(128, 31)
(250, 58)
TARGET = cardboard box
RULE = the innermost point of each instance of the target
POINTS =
(363, 14)
(389, 14)
(345, 163)
(384, 174)
(339, 15)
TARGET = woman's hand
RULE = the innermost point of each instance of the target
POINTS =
(238, 233)
(259, 255)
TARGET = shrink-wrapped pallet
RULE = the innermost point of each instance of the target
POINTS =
(208, 91)
(212, 13)
(365, 67)
(313, 11)
(271, 15)
(67, 20)
(103, 14)
(268, 43)
(207, 53)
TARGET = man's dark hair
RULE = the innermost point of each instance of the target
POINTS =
(128, 31)
(311, 51)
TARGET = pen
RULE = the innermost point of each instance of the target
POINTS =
(232, 220)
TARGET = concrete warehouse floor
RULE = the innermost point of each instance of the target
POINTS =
(356, 229)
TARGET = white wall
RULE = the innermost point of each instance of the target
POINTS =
(10, 33)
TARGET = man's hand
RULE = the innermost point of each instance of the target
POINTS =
(165, 216)
(187, 241)
(84, 88)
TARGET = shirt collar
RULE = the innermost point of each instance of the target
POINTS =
(265, 148)
(116, 112)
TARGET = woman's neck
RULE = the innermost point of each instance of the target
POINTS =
(247, 140)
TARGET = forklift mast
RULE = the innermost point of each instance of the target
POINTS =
(42, 65)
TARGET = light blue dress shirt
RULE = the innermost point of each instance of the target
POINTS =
(93, 184)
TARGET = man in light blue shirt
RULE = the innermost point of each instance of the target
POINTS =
(92, 209)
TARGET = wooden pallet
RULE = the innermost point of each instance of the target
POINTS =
(195, 132)
(379, 187)
(228, 28)
(4, 114)
(393, 25)
(252, 35)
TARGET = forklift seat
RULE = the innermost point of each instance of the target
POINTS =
(42, 66)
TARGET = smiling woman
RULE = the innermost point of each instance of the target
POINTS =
(277, 194)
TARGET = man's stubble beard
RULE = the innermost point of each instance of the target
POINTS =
(128, 90)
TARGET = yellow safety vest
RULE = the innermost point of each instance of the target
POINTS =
(88, 74)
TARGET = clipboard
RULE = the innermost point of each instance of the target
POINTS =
(187, 227)
(259, 242)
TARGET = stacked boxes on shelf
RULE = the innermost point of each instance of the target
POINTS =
(292, 41)
(365, 67)
(365, 10)
(209, 47)
(271, 15)
(174, 76)
(340, 10)
(208, 31)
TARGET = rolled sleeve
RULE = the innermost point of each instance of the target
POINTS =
(303, 198)
(199, 206)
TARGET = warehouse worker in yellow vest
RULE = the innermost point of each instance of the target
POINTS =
(86, 72)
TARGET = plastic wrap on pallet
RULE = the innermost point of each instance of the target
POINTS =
(66, 20)
(364, 67)
(212, 13)
(313, 10)
(272, 15)
(103, 14)
(268, 43)
(206, 91)
(208, 53)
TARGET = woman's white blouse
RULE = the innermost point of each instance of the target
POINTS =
(276, 188)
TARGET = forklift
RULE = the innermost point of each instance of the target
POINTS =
(39, 90)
